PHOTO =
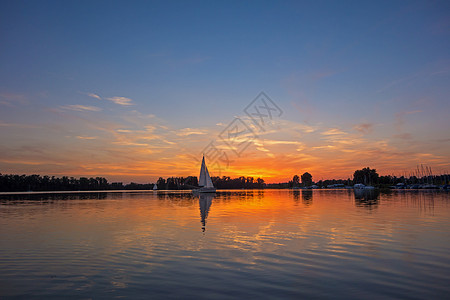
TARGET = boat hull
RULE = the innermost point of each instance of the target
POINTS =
(205, 190)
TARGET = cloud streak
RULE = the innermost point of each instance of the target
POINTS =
(129, 145)
(333, 131)
(400, 118)
(94, 96)
(191, 131)
(364, 128)
(77, 107)
(124, 101)
(121, 100)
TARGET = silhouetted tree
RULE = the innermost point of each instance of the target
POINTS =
(161, 183)
(306, 179)
(191, 181)
(260, 183)
(366, 176)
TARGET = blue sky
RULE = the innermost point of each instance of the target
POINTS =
(377, 70)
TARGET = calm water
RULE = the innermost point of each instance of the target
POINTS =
(249, 244)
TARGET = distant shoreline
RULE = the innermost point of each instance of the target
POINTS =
(365, 178)
(218, 191)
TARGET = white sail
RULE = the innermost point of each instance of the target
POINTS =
(155, 187)
(202, 178)
(205, 179)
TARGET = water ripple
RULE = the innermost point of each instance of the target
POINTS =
(265, 245)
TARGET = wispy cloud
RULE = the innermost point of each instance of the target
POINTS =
(400, 118)
(121, 100)
(126, 143)
(26, 162)
(333, 131)
(18, 125)
(94, 96)
(275, 142)
(364, 127)
(190, 131)
(117, 100)
(77, 107)
(328, 147)
(138, 146)
(9, 99)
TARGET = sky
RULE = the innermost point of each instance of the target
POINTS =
(135, 90)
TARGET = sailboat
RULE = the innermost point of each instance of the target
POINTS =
(155, 187)
(205, 182)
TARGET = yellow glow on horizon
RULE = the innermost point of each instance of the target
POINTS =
(150, 150)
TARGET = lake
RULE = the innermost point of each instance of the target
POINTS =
(266, 244)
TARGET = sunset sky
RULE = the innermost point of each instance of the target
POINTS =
(135, 90)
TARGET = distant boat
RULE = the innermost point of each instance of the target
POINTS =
(155, 187)
(400, 186)
(205, 182)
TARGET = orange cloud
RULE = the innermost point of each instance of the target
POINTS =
(132, 146)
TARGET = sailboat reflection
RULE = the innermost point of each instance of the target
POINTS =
(205, 201)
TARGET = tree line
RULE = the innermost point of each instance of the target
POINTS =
(368, 176)
(242, 182)
(224, 182)
(24, 183)
(21, 183)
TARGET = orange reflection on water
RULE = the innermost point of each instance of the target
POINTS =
(156, 238)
